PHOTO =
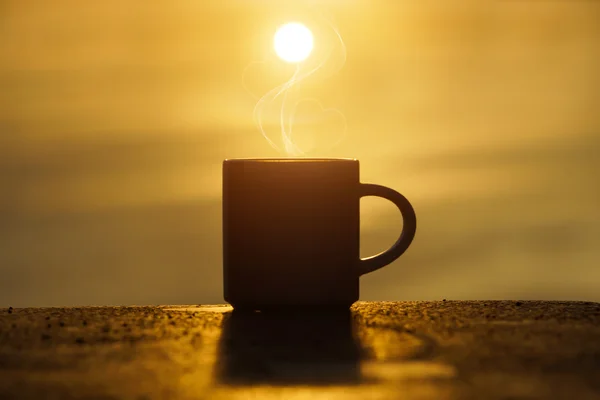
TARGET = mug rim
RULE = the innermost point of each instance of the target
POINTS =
(290, 159)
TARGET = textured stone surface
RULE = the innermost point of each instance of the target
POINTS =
(383, 350)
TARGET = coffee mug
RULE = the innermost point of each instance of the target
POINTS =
(291, 230)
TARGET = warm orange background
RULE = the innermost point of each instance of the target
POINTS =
(115, 117)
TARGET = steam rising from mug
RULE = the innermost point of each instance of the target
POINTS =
(293, 43)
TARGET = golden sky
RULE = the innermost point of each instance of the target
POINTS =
(115, 118)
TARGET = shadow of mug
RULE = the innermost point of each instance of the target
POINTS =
(281, 348)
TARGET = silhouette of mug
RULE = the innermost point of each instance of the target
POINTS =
(291, 231)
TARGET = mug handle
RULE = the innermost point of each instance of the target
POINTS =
(409, 228)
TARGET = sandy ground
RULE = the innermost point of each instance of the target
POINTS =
(383, 350)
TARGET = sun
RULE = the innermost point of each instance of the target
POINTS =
(293, 42)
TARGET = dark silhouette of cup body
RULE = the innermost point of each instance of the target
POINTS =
(291, 232)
